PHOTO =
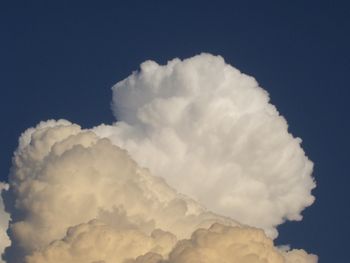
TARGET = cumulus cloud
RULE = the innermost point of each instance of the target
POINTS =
(299, 256)
(212, 133)
(64, 176)
(190, 135)
(96, 242)
(221, 244)
(4, 220)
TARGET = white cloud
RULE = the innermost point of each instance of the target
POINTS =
(211, 132)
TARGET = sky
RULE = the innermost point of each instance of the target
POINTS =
(60, 60)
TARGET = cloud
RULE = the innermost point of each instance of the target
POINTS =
(96, 242)
(190, 135)
(64, 176)
(221, 244)
(4, 220)
(212, 133)
(299, 256)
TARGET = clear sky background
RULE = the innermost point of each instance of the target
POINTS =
(59, 59)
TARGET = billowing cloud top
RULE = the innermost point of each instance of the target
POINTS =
(200, 125)
(211, 132)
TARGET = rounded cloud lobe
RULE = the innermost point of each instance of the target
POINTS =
(102, 195)
(64, 177)
(211, 132)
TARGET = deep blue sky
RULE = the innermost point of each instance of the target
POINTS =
(59, 59)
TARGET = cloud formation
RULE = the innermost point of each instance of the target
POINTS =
(4, 219)
(221, 244)
(102, 195)
(210, 131)
(96, 242)
(64, 176)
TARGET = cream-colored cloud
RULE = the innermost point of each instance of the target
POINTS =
(225, 244)
(98, 242)
(203, 122)
(64, 176)
(299, 256)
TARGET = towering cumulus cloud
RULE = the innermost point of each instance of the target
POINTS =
(211, 132)
(102, 195)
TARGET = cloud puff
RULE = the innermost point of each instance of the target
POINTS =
(64, 176)
(222, 244)
(210, 131)
(299, 256)
(96, 242)
(4, 220)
